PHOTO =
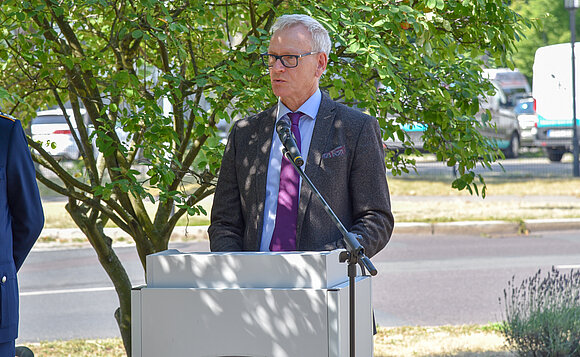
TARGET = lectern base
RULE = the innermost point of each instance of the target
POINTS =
(256, 322)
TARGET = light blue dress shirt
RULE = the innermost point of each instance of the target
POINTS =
(306, 126)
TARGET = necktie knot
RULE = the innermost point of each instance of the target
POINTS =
(294, 117)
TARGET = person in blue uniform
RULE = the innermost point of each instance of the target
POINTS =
(21, 221)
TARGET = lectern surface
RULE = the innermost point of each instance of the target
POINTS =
(316, 270)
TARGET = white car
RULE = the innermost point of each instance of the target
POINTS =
(51, 129)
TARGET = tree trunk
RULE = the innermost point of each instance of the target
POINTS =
(93, 229)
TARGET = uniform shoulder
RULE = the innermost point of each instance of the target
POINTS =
(4, 116)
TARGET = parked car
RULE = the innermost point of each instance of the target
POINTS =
(505, 129)
(514, 84)
(50, 128)
(528, 119)
(510, 86)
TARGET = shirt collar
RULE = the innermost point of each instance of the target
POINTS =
(310, 107)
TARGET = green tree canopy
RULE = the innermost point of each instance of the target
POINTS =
(551, 26)
(164, 73)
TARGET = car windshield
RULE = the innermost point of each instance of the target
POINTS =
(509, 76)
(514, 91)
(49, 119)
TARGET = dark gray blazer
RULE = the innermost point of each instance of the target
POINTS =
(346, 164)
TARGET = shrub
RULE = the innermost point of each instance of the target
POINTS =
(542, 315)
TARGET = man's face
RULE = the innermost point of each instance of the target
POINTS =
(295, 85)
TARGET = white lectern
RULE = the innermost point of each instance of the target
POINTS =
(248, 304)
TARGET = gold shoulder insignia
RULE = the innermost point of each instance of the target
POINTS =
(6, 116)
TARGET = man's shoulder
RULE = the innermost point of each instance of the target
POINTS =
(344, 110)
(353, 116)
(256, 119)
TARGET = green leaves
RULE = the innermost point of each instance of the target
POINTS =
(436, 4)
(419, 62)
(137, 34)
(156, 78)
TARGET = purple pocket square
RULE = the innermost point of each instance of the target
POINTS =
(337, 151)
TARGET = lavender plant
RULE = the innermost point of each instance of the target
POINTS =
(542, 315)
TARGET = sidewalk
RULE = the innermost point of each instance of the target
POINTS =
(67, 236)
(488, 227)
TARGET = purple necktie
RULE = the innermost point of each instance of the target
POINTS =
(284, 235)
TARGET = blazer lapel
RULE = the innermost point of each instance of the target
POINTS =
(263, 147)
(318, 145)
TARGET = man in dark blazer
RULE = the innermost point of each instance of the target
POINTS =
(342, 146)
(21, 221)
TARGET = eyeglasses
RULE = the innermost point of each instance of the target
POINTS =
(288, 61)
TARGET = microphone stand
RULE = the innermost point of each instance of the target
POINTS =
(353, 255)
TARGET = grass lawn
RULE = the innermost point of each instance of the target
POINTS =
(472, 340)
(462, 341)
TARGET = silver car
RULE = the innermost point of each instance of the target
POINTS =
(504, 129)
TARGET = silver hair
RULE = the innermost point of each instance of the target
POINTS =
(320, 37)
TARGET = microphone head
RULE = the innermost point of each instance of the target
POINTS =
(283, 125)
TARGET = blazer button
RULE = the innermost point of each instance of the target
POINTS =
(3, 279)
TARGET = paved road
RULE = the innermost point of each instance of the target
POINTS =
(423, 280)
(524, 167)
(65, 294)
(458, 279)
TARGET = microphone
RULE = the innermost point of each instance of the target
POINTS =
(283, 128)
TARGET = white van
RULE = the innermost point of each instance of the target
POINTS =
(552, 91)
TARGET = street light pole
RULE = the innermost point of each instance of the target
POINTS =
(571, 6)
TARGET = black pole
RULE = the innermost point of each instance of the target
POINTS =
(352, 292)
(354, 253)
(576, 166)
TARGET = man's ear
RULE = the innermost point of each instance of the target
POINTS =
(321, 64)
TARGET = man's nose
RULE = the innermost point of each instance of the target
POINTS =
(278, 66)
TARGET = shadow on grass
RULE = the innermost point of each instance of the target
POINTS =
(476, 354)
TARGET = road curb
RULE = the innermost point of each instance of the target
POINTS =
(552, 224)
(487, 227)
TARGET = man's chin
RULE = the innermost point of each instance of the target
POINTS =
(278, 92)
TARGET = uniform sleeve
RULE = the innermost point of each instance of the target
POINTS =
(23, 196)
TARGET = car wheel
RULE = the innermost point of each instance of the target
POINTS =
(513, 150)
(555, 155)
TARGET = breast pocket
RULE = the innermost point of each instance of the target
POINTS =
(335, 165)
